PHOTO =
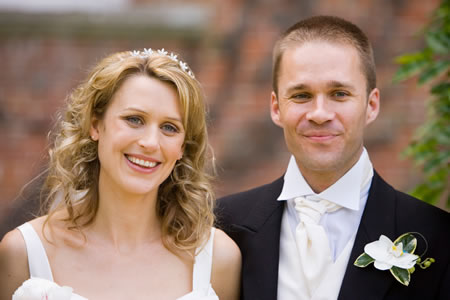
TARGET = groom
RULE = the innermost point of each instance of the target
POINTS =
(300, 235)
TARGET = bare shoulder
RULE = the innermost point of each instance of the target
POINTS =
(13, 263)
(13, 246)
(226, 269)
(225, 250)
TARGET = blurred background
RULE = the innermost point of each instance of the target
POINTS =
(48, 46)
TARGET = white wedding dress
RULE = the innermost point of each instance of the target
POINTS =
(40, 266)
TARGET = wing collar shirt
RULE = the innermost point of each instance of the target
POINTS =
(341, 225)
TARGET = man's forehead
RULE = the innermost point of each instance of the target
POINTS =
(321, 58)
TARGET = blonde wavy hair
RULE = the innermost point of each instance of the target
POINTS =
(185, 199)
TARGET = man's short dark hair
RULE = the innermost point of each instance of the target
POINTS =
(328, 29)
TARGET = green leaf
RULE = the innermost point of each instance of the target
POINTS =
(436, 162)
(363, 260)
(438, 41)
(433, 70)
(402, 275)
(408, 70)
(409, 242)
(427, 193)
(430, 146)
(441, 88)
(413, 57)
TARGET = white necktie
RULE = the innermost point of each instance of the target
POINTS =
(311, 238)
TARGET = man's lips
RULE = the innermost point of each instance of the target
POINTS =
(320, 136)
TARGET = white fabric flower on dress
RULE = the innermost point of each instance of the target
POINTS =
(42, 289)
(386, 254)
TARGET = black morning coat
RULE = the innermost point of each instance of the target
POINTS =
(253, 220)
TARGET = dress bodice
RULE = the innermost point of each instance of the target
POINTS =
(201, 286)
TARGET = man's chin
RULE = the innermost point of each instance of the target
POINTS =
(320, 164)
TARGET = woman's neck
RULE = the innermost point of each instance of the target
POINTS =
(126, 220)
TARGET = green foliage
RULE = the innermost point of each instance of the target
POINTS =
(402, 275)
(408, 241)
(363, 260)
(430, 147)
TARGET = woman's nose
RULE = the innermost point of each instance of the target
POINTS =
(149, 138)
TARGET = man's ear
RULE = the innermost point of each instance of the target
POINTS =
(93, 131)
(373, 106)
(275, 109)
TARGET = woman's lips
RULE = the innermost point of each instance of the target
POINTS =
(141, 163)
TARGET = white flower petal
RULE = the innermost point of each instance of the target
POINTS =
(135, 53)
(148, 52)
(377, 250)
(33, 288)
(173, 57)
(183, 65)
(60, 293)
(162, 52)
(406, 261)
(382, 265)
(385, 241)
(400, 247)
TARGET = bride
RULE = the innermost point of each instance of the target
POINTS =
(129, 207)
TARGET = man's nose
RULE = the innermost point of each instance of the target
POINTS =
(320, 111)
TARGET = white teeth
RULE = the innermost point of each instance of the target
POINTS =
(141, 162)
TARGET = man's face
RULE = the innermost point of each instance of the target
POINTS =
(323, 107)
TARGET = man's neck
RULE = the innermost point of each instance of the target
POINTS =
(320, 180)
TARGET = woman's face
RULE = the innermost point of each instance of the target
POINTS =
(140, 136)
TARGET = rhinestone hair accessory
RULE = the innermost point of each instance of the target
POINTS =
(149, 52)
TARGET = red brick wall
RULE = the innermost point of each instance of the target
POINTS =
(231, 56)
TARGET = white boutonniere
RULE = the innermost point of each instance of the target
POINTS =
(38, 289)
(398, 256)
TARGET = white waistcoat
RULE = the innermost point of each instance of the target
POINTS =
(291, 283)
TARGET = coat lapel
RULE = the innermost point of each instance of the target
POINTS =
(261, 239)
(378, 218)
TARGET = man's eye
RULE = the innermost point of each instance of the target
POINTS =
(301, 96)
(134, 120)
(340, 94)
(169, 128)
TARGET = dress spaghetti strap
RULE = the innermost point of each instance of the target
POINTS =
(203, 265)
(37, 257)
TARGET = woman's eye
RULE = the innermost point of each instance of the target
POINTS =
(169, 128)
(134, 120)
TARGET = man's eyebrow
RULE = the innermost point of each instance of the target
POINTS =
(330, 84)
(296, 87)
(340, 84)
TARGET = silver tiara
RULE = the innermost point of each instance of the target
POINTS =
(149, 52)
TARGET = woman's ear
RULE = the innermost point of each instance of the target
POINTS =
(93, 131)
(181, 152)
